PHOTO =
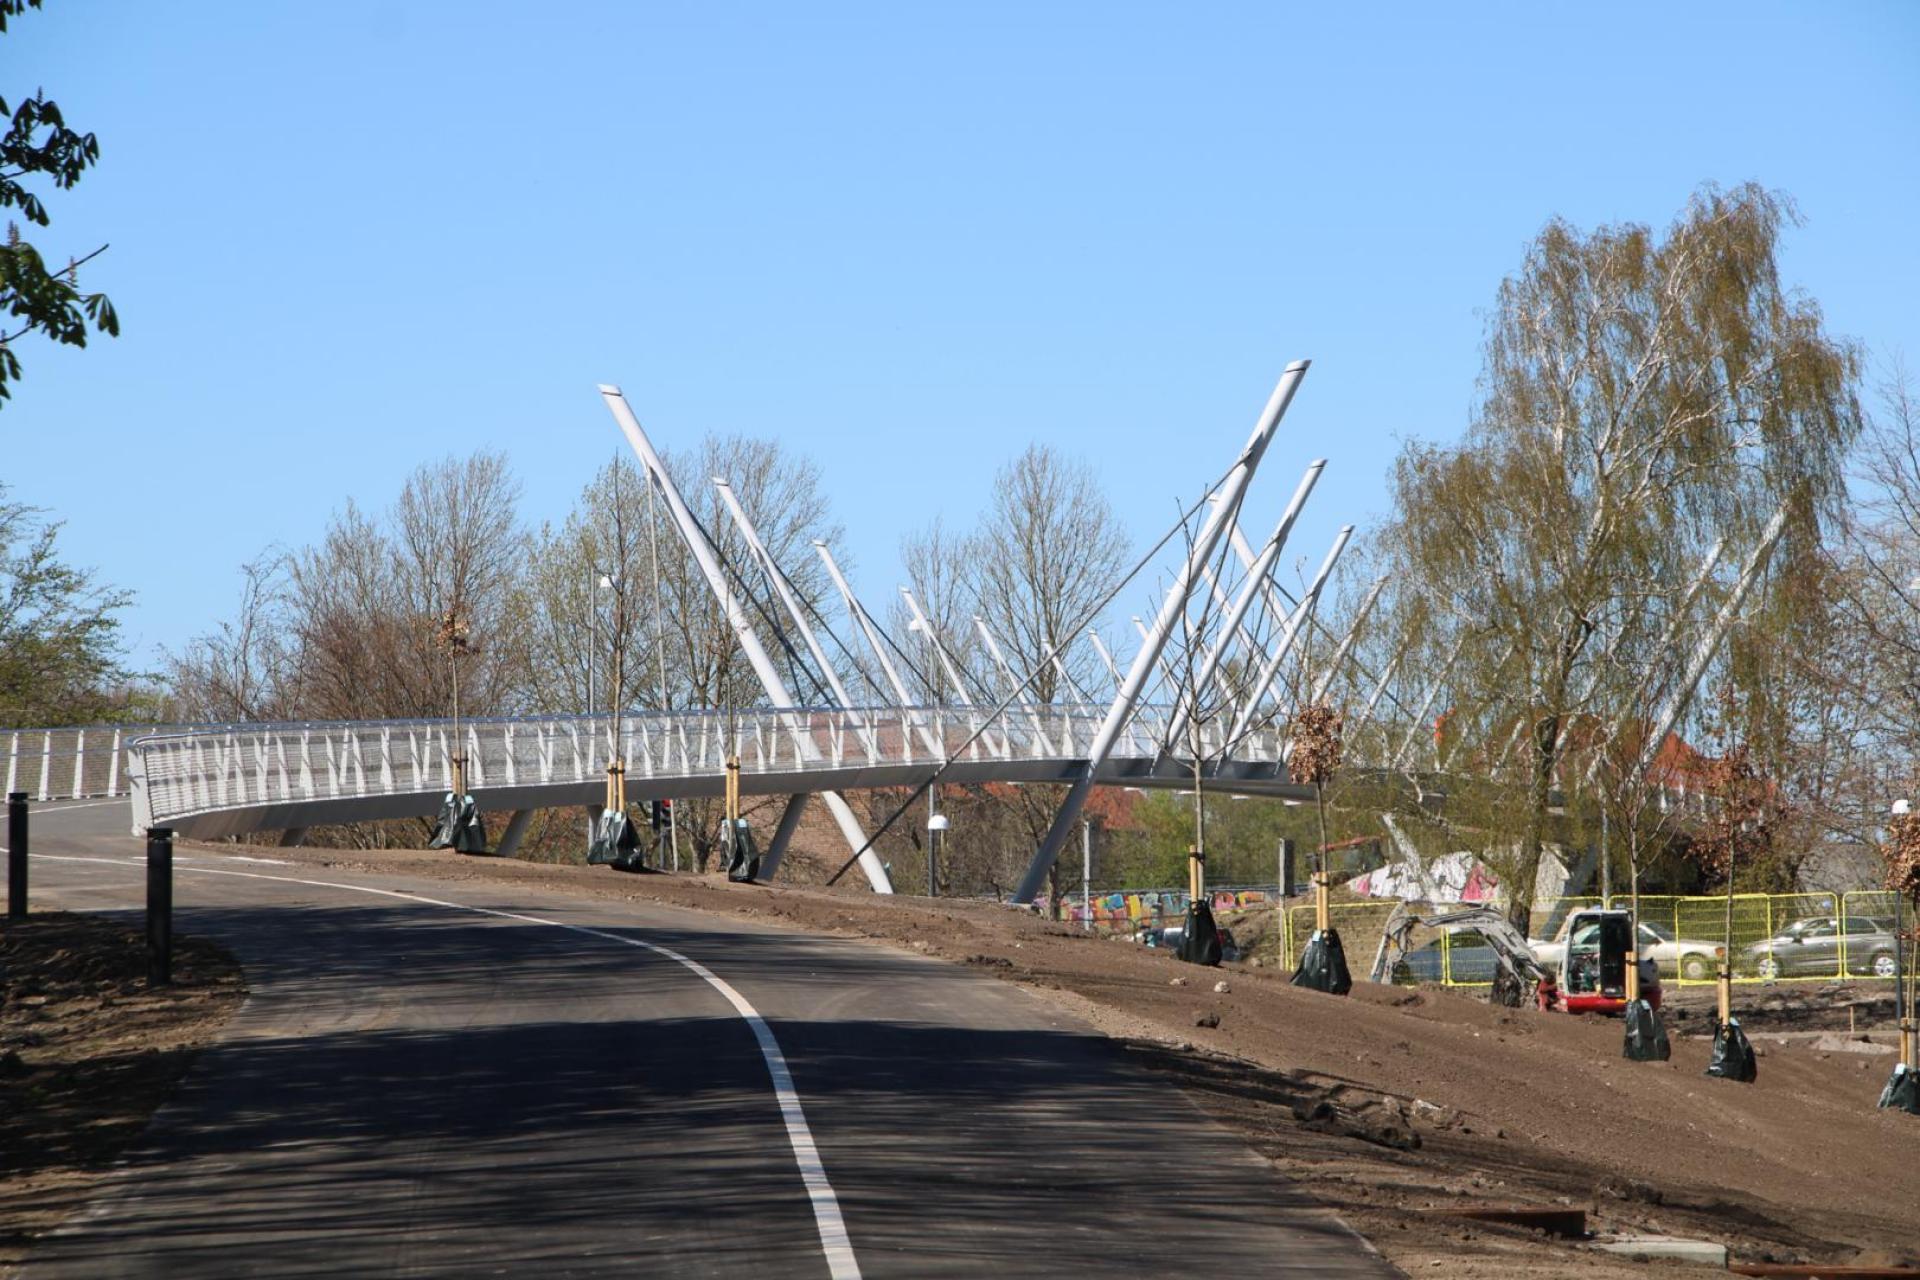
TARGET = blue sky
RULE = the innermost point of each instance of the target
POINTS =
(906, 240)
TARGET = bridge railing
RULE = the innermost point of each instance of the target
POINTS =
(208, 769)
(80, 762)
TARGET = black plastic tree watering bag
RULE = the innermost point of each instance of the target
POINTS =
(1903, 1090)
(1646, 1039)
(1732, 1057)
(615, 843)
(459, 827)
(1323, 966)
(743, 860)
(1200, 938)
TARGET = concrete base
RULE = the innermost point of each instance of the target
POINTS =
(1701, 1251)
(293, 837)
(516, 832)
(782, 834)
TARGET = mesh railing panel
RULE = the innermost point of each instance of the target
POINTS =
(78, 763)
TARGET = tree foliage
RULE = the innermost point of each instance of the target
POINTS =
(1049, 548)
(1643, 396)
(37, 142)
(61, 660)
(1901, 852)
(1861, 739)
(1737, 841)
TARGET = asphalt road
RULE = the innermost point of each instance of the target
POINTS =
(421, 1088)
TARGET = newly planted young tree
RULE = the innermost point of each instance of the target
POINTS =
(1744, 812)
(1318, 747)
(1901, 851)
(459, 827)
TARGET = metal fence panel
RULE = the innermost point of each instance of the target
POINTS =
(1359, 924)
(1774, 936)
(1868, 945)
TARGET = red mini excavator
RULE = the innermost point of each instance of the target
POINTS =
(1593, 977)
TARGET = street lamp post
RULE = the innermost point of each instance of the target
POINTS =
(1903, 1011)
(1086, 873)
(936, 820)
(936, 830)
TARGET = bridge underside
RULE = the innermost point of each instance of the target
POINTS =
(1235, 777)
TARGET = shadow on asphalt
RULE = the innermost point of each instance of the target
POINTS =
(523, 1097)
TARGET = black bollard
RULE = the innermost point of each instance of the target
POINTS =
(159, 906)
(16, 855)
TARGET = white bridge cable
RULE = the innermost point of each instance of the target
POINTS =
(1233, 487)
(795, 668)
(873, 633)
(1013, 685)
(1267, 681)
(1318, 693)
(1250, 590)
(790, 597)
(703, 553)
(1084, 624)
(1245, 553)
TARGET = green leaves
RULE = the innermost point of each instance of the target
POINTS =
(60, 651)
(38, 142)
(13, 9)
(1646, 395)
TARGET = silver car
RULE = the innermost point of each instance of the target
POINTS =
(1690, 958)
(1826, 946)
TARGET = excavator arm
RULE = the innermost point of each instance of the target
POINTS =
(1512, 956)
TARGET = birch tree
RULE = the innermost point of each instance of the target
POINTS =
(1642, 395)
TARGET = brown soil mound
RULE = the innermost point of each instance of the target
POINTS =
(1396, 1105)
(87, 1053)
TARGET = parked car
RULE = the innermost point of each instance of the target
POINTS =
(1817, 945)
(1466, 957)
(1690, 958)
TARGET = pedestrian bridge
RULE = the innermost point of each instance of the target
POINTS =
(214, 781)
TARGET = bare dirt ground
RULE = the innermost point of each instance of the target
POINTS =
(1396, 1106)
(88, 1053)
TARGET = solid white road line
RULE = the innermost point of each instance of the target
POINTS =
(832, 1228)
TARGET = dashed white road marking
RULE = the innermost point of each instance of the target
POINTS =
(832, 1228)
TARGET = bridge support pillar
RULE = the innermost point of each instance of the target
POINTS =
(789, 822)
(293, 837)
(516, 832)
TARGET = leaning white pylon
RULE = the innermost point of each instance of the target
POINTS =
(871, 630)
(776, 851)
(1249, 590)
(1296, 622)
(709, 561)
(1231, 491)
